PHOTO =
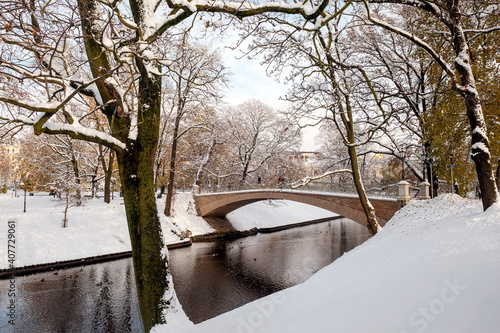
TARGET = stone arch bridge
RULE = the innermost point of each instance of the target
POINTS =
(349, 206)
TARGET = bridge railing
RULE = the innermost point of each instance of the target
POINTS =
(386, 191)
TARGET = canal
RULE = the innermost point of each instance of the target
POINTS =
(210, 278)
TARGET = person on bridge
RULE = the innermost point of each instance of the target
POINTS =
(259, 181)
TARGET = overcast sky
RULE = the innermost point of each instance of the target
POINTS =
(249, 80)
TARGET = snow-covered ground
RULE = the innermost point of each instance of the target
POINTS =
(97, 228)
(267, 214)
(93, 229)
(435, 267)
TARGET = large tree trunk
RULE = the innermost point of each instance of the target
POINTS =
(150, 265)
(136, 166)
(480, 145)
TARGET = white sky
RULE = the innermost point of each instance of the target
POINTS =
(249, 80)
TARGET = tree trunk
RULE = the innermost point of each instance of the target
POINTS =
(368, 209)
(498, 174)
(171, 175)
(431, 176)
(480, 145)
(108, 174)
(150, 265)
(346, 115)
(136, 166)
(244, 172)
(94, 189)
(204, 161)
(78, 188)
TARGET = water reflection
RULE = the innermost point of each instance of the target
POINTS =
(96, 298)
(213, 278)
(209, 278)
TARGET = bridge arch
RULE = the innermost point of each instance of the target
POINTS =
(349, 206)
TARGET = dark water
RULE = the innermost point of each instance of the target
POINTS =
(210, 278)
(95, 298)
(213, 278)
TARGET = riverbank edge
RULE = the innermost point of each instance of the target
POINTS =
(45, 267)
(245, 233)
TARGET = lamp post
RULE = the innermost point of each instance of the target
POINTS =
(451, 167)
(432, 177)
(403, 153)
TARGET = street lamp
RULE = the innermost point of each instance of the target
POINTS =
(403, 152)
(451, 167)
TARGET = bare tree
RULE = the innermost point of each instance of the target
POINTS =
(330, 84)
(54, 162)
(257, 134)
(415, 91)
(197, 78)
(450, 23)
(56, 53)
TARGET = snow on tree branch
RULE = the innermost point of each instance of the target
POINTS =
(437, 57)
(307, 180)
(74, 131)
(182, 9)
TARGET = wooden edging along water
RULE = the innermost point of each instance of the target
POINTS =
(40, 268)
(239, 234)
(299, 224)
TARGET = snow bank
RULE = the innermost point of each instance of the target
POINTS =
(435, 267)
(273, 213)
(184, 221)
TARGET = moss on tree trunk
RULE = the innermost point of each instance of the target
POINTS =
(137, 177)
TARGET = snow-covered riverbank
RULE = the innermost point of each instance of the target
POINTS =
(97, 228)
(434, 268)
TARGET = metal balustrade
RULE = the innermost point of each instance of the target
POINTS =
(386, 191)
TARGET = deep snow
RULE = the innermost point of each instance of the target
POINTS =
(435, 267)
